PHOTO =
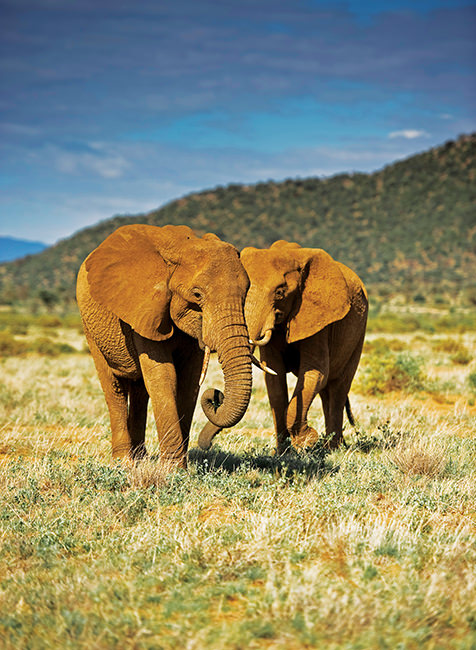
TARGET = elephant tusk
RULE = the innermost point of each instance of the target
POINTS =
(262, 365)
(206, 360)
(264, 341)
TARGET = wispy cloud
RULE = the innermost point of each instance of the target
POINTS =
(97, 161)
(409, 134)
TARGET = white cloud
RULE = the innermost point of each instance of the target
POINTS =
(408, 134)
(109, 166)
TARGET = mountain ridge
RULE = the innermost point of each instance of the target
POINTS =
(12, 248)
(409, 228)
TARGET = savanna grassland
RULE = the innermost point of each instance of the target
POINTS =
(372, 546)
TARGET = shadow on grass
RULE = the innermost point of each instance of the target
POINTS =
(311, 465)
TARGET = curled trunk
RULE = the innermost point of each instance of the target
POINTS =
(226, 409)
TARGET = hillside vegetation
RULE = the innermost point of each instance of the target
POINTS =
(409, 229)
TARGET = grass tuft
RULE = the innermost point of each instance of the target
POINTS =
(424, 457)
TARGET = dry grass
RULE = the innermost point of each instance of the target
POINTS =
(424, 457)
(372, 547)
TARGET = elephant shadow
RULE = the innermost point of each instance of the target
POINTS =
(310, 465)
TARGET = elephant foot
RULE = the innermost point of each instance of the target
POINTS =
(283, 445)
(333, 441)
(307, 438)
(139, 452)
(171, 465)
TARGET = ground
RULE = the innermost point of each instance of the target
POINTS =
(372, 546)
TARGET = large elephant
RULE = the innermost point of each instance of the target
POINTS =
(308, 315)
(154, 302)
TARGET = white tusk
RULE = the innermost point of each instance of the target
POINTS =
(264, 341)
(262, 365)
(206, 360)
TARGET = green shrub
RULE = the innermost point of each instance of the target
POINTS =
(49, 320)
(384, 372)
(462, 358)
(393, 323)
(14, 323)
(10, 347)
(450, 346)
(459, 352)
(472, 381)
(49, 348)
(382, 345)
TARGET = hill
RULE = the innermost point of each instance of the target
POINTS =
(409, 228)
(12, 248)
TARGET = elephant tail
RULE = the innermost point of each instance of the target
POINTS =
(348, 410)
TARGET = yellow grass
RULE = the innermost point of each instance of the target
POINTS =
(374, 548)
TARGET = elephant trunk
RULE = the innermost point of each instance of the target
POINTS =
(259, 318)
(226, 409)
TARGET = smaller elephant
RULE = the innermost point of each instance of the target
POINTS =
(307, 313)
(154, 302)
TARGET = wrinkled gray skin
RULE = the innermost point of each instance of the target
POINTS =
(151, 299)
(308, 314)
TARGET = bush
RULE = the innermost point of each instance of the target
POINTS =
(385, 372)
(450, 346)
(472, 381)
(49, 320)
(50, 348)
(459, 352)
(10, 347)
(383, 345)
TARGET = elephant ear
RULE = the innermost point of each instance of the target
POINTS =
(128, 275)
(324, 298)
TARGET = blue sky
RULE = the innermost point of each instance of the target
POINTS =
(118, 106)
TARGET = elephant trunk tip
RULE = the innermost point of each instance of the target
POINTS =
(212, 399)
(260, 342)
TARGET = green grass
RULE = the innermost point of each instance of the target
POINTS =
(372, 546)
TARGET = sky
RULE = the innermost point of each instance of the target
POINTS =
(120, 106)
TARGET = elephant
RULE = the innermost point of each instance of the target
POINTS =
(307, 313)
(154, 301)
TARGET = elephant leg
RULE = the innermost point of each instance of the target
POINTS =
(277, 388)
(160, 380)
(115, 392)
(312, 379)
(334, 397)
(137, 417)
(188, 365)
(333, 402)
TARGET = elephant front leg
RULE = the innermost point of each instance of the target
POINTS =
(312, 379)
(188, 363)
(160, 380)
(277, 388)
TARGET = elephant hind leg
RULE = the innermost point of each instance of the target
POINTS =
(137, 417)
(333, 399)
(116, 391)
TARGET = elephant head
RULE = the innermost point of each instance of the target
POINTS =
(158, 280)
(303, 289)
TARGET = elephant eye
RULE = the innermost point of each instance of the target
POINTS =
(196, 293)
